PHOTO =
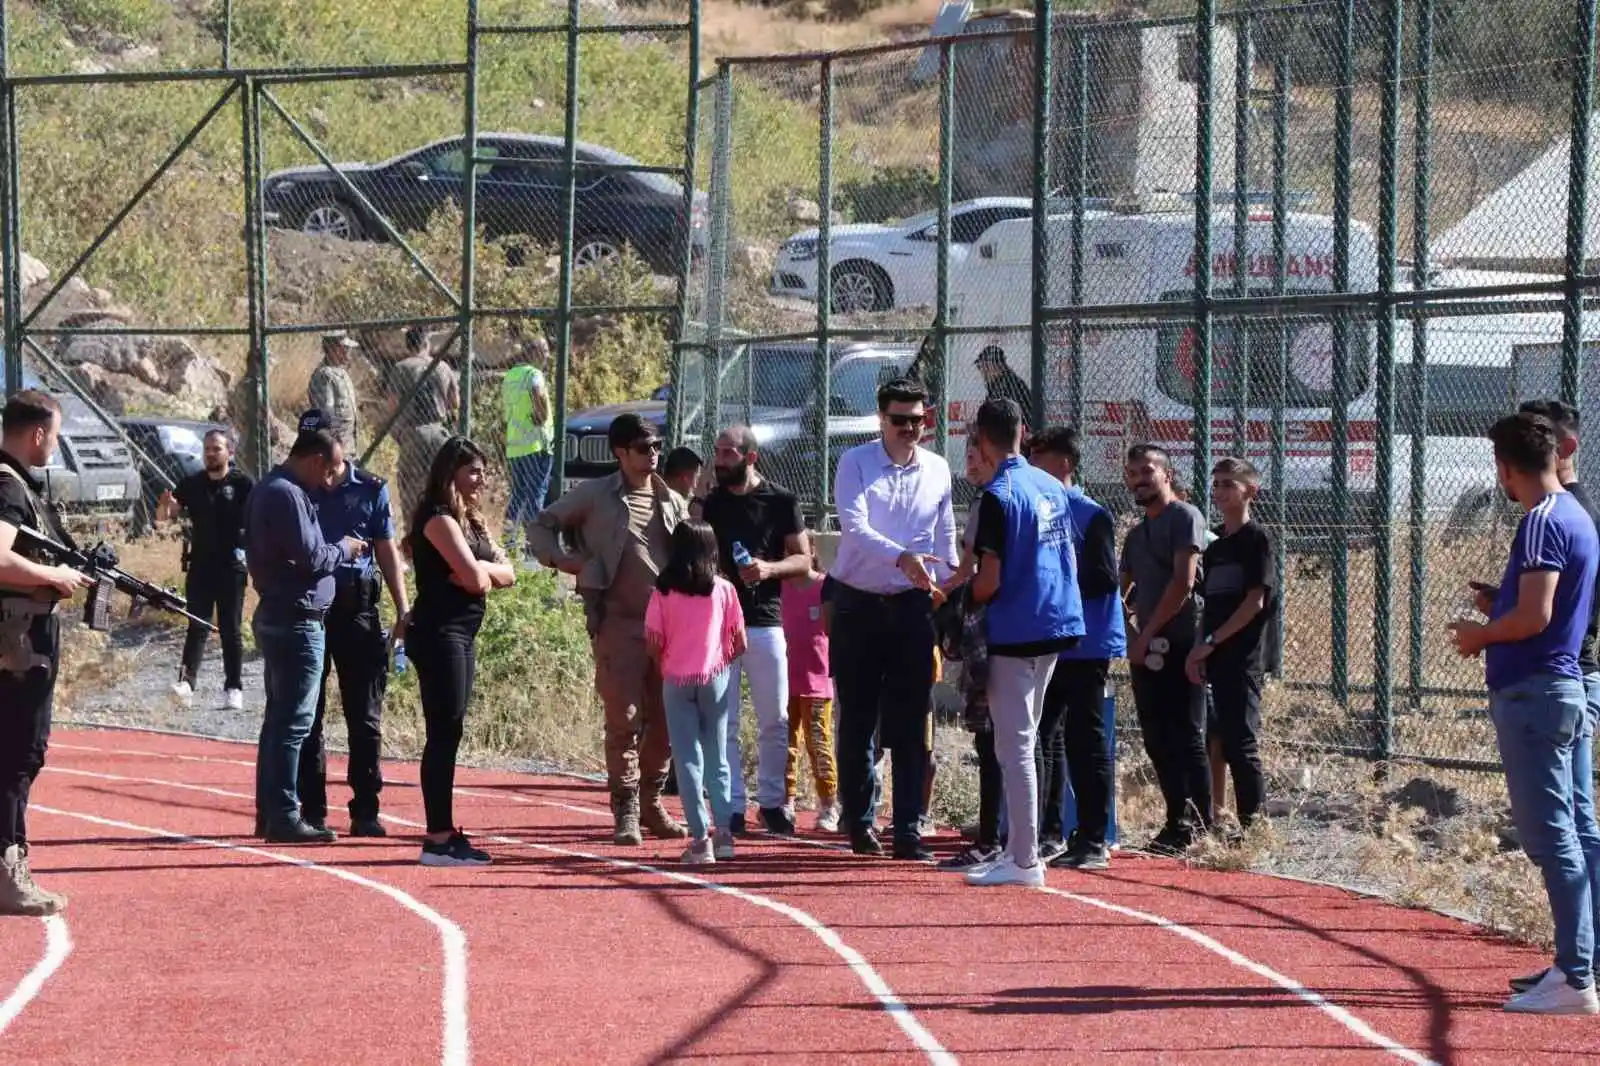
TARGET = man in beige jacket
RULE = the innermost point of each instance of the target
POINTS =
(613, 534)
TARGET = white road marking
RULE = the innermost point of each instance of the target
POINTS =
(57, 946)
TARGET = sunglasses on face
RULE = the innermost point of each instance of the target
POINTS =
(907, 421)
(645, 447)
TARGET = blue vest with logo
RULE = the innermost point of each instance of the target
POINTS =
(1038, 598)
(1105, 633)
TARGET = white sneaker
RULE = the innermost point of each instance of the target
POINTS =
(234, 700)
(183, 694)
(722, 845)
(1553, 995)
(828, 818)
(1006, 872)
(699, 853)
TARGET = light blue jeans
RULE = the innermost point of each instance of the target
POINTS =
(1583, 803)
(1540, 723)
(697, 725)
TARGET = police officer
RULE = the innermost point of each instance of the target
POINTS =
(30, 637)
(214, 498)
(333, 393)
(356, 506)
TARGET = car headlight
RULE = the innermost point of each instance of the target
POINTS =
(800, 248)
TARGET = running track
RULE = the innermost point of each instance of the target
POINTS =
(187, 942)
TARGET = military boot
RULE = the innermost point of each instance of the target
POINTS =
(19, 896)
(654, 815)
(625, 812)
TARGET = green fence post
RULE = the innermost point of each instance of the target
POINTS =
(1244, 61)
(569, 197)
(1043, 96)
(256, 274)
(941, 310)
(1278, 460)
(1417, 393)
(1344, 125)
(1578, 205)
(1388, 242)
(469, 222)
(1205, 44)
(11, 206)
(720, 223)
(691, 145)
(1079, 178)
(823, 374)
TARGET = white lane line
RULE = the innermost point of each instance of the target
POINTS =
(455, 1049)
(873, 981)
(57, 946)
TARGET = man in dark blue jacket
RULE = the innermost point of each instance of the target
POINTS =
(292, 567)
(1028, 576)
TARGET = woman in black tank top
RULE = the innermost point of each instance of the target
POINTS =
(456, 563)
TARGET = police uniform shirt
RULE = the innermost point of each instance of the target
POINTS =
(216, 513)
(356, 507)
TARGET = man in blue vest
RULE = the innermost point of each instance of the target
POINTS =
(1028, 576)
(1073, 745)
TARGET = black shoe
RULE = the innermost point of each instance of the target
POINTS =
(457, 851)
(865, 843)
(736, 825)
(1520, 985)
(910, 849)
(319, 821)
(300, 832)
(777, 821)
(1083, 856)
(1051, 849)
(970, 856)
(1170, 842)
(367, 827)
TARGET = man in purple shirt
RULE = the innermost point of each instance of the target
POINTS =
(1531, 646)
(292, 567)
(897, 525)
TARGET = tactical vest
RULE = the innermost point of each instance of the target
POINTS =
(524, 436)
(19, 611)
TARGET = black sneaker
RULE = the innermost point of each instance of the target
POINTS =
(1170, 843)
(1052, 849)
(911, 849)
(777, 821)
(367, 827)
(1084, 857)
(736, 824)
(457, 851)
(300, 832)
(970, 856)
(865, 843)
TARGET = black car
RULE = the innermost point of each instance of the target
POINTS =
(176, 445)
(520, 194)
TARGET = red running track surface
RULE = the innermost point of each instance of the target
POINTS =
(191, 943)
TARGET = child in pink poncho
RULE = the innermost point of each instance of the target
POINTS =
(695, 629)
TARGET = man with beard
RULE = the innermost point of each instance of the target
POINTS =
(748, 512)
(895, 520)
(620, 527)
(214, 498)
(30, 638)
(1161, 565)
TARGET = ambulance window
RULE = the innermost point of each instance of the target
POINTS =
(1463, 400)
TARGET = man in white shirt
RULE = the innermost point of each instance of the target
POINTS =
(897, 528)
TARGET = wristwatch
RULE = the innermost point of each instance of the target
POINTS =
(1210, 641)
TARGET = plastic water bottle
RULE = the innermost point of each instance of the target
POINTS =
(401, 663)
(741, 555)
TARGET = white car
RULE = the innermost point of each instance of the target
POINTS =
(879, 267)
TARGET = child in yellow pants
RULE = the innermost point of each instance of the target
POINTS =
(810, 692)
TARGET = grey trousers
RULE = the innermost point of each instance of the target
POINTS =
(1016, 703)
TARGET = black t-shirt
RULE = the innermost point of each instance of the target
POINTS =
(990, 539)
(216, 509)
(441, 603)
(761, 520)
(1588, 654)
(1234, 564)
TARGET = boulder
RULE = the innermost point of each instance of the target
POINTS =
(753, 259)
(189, 377)
(33, 272)
(121, 394)
(118, 355)
(803, 210)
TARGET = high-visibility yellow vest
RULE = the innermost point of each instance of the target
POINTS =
(524, 436)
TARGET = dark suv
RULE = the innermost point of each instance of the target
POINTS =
(771, 387)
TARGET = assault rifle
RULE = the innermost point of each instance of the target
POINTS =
(100, 565)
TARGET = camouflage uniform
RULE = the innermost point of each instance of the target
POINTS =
(333, 393)
(424, 422)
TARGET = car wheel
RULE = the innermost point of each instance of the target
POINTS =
(333, 218)
(598, 251)
(861, 287)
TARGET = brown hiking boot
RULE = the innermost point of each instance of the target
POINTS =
(625, 812)
(19, 896)
(654, 816)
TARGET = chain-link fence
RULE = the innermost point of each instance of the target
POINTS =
(225, 221)
(1337, 238)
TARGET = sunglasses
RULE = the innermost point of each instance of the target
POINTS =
(907, 421)
(646, 447)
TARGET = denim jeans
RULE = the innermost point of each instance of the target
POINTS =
(291, 657)
(697, 724)
(1583, 803)
(1539, 723)
(766, 663)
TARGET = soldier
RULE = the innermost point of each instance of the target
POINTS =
(332, 392)
(423, 424)
(30, 638)
(357, 506)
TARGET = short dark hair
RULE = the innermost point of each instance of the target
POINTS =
(901, 390)
(1241, 470)
(999, 421)
(314, 442)
(1057, 440)
(416, 339)
(692, 562)
(29, 408)
(680, 461)
(628, 429)
(1561, 415)
(224, 433)
(1525, 442)
(1150, 451)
